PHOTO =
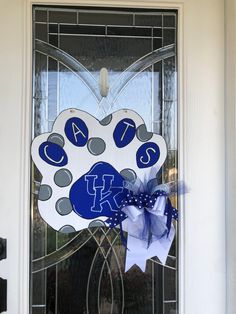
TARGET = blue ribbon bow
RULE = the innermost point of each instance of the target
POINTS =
(146, 203)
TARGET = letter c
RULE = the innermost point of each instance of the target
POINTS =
(52, 160)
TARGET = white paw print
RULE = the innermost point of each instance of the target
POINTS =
(77, 145)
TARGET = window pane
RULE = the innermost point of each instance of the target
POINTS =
(83, 272)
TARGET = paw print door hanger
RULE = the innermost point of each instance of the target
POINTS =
(106, 170)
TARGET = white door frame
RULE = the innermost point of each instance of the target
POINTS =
(201, 129)
(230, 128)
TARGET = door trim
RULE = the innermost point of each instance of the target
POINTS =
(27, 114)
(230, 122)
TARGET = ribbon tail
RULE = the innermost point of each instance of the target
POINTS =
(122, 237)
(171, 213)
(139, 254)
(136, 255)
(147, 232)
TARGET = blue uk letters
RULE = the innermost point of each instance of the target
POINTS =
(98, 193)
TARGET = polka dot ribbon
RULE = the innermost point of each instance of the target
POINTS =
(144, 201)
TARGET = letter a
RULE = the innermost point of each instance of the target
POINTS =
(76, 131)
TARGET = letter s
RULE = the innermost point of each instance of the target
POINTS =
(147, 155)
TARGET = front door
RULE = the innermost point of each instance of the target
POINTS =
(142, 49)
(84, 272)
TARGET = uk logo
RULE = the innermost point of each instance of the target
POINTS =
(103, 194)
(99, 192)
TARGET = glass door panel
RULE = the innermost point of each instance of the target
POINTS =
(83, 272)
